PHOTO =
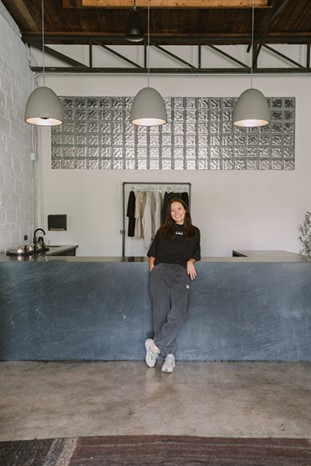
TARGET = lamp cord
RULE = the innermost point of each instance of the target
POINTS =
(252, 54)
(148, 43)
(43, 56)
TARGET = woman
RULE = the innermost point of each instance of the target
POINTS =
(172, 254)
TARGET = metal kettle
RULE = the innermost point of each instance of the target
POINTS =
(22, 249)
(38, 243)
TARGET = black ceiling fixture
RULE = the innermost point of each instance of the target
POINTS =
(134, 31)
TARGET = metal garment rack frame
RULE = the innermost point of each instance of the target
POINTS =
(148, 183)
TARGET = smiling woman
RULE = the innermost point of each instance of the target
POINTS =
(172, 254)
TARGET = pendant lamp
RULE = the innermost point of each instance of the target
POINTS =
(148, 108)
(134, 31)
(43, 107)
(251, 108)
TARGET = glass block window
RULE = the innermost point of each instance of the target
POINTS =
(97, 135)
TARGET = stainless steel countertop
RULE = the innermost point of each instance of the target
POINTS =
(53, 251)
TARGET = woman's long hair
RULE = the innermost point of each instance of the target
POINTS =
(168, 228)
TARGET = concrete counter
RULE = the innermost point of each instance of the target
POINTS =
(74, 308)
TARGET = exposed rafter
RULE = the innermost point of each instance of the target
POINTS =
(211, 27)
(173, 3)
(178, 64)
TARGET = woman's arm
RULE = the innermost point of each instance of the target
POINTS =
(151, 263)
(191, 269)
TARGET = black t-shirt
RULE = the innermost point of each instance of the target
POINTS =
(177, 250)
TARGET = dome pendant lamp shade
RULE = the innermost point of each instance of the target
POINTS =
(148, 108)
(251, 109)
(134, 31)
(44, 108)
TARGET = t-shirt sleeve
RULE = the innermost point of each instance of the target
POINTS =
(154, 246)
(197, 246)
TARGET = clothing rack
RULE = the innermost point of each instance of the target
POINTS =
(148, 186)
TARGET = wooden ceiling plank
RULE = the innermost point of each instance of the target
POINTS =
(175, 3)
(72, 4)
(23, 12)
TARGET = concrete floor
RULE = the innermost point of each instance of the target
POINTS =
(227, 399)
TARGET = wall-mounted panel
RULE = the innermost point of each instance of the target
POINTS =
(199, 135)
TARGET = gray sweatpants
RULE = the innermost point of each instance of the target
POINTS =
(169, 290)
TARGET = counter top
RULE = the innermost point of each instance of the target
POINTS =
(53, 251)
(248, 256)
(269, 256)
(60, 249)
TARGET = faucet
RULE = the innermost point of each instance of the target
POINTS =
(35, 241)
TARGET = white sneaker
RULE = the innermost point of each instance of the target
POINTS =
(152, 352)
(169, 363)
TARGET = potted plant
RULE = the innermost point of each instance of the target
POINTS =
(305, 237)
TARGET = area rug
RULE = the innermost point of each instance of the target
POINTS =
(156, 450)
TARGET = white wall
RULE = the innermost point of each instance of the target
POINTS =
(16, 171)
(233, 209)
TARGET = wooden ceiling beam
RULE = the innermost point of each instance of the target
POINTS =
(172, 3)
(19, 7)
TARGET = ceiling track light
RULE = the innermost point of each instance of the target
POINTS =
(148, 108)
(134, 31)
(43, 107)
(251, 108)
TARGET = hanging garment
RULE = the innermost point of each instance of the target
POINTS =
(157, 211)
(148, 218)
(130, 213)
(185, 198)
(139, 211)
